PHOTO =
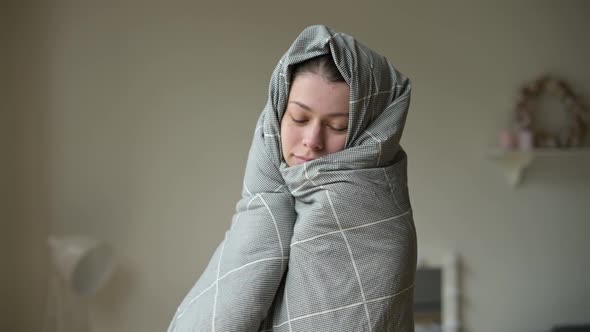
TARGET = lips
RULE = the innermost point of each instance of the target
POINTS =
(301, 160)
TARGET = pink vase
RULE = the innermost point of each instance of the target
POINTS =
(507, 139)
(525, 140)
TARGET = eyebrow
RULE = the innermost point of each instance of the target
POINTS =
(307, 108)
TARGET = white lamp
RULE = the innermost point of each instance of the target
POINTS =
(81, 266)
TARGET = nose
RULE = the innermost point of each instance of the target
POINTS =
(313, 138)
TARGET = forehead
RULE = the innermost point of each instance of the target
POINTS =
(312, 93)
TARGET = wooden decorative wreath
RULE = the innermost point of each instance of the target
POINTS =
(574, 134)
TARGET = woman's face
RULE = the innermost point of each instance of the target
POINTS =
(316, 119)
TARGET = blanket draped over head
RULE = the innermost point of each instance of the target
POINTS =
(328, 245)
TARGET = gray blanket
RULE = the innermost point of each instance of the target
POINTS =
(328, 245)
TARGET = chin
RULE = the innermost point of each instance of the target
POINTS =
(293, 161)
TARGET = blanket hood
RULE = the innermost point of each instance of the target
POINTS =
(378, 102)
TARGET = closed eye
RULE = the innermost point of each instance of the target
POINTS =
(298, 120)
(340, 130)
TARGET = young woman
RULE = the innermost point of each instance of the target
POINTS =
(323, 237)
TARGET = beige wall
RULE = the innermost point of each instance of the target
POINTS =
(135, 122)
(27, 113)
(7, 176)
(4, 176)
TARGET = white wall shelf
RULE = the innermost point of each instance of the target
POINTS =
(515, 162)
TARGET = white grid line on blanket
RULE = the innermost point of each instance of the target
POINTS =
(308, 179)
(282, 251)
(393, 195)
(287, 307)
(228, 273)
(401, 98)
(350, 228)
(301, 186)
(356, 271)
(371, 95)
(254, 262)
(379, 143)
(247, 190)
(373, 81)
(217, 282)
(250, 201)
(391, 189)
(307, 175)
(274, 221)
(343, 307)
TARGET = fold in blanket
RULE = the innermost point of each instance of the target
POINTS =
(328, 245)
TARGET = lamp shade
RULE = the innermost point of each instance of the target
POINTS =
(84, 263)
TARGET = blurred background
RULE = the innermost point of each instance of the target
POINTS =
(130, 122)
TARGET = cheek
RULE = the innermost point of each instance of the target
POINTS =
(337, 143)
(288, 137)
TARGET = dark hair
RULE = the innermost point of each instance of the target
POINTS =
(322, 65)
